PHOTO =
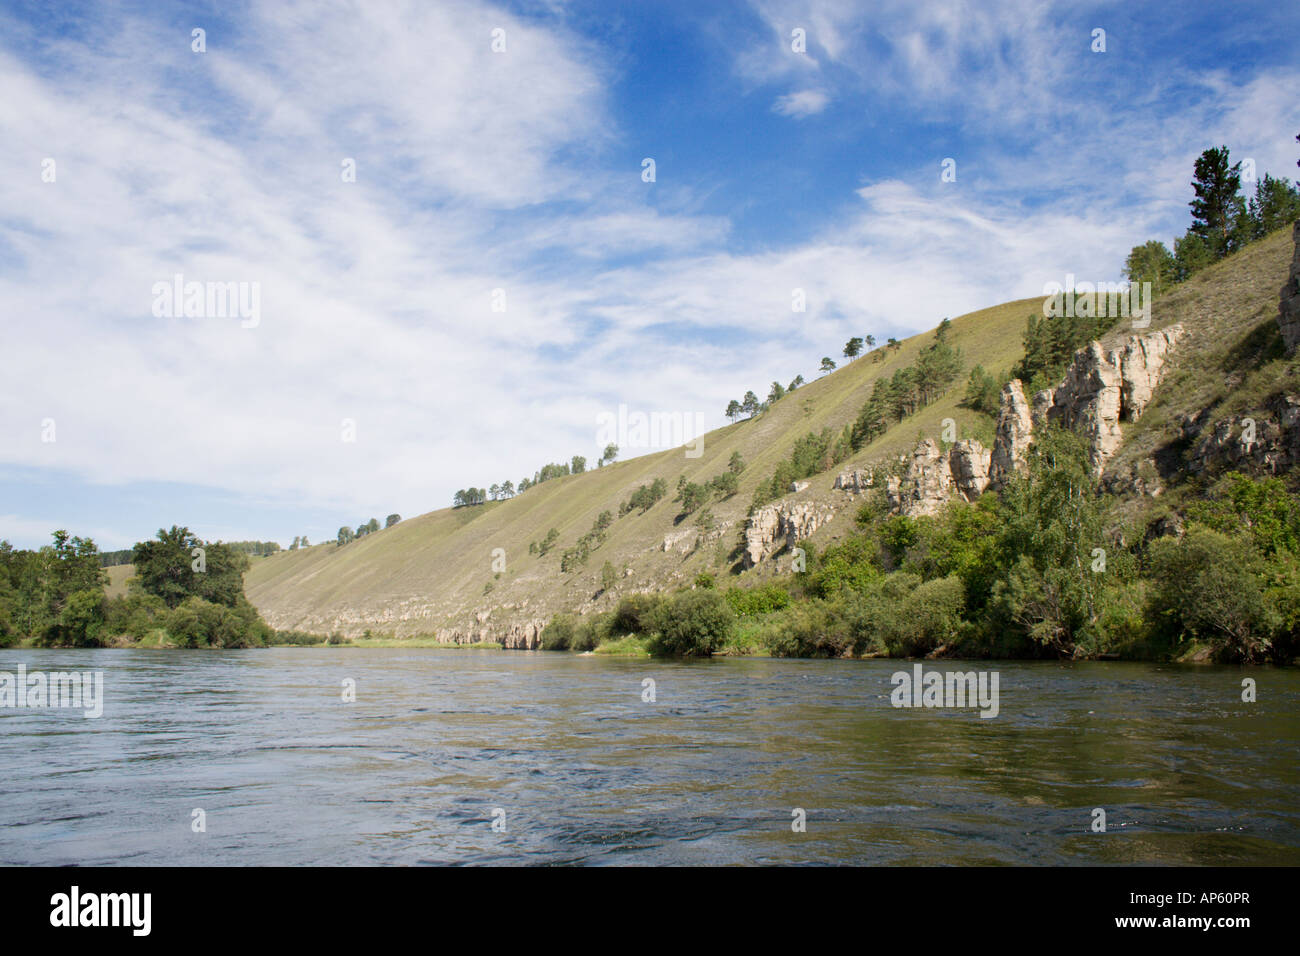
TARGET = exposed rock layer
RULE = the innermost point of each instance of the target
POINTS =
(1101, 388)
(780, 525)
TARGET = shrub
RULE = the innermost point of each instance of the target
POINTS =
(808, 629)
(635, 614)
(926, 618)
(752, 602)
(557, 635)
(590, 632)
(850, 565)
(692, 624)
(1208, 585)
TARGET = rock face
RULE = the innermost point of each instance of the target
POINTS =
(1101, 389)
(853, 481)
(775, 526)
(522, 635)
(1014, 431)
(933, 478)
(969, 462)
(1088, 402)
(1288, 316)
(1141, 361)
(1266, 444)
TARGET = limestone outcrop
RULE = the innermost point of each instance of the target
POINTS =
(1015, 429)
(933, 478)
(781, 525)
(522, 635)
(970, 462)
(1101, 389)
(1268, 444)
(854, 481)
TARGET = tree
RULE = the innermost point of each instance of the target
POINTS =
(750, 404)
(305, 543)
(827, 364)
(1192, 253)
(173, 568)
(1052, 521)
(776, 393)
(725, 485)
(346, 534)
(494, 492)
(610, 453)
(798, 380)
(853, 347)
(692, 623)
(1217, 204)
(941, 333)
(508, 489)
(982, 392)
(608, 576)
(893, 344)
(871, 341)
(578, 464)
(392, 520)
(1151, 262)
(294, 546)
(736, 464)
(1211, 585)
(82, 620)
(1276, 203)
(734, 409)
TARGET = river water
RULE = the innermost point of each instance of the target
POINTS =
(505, 757)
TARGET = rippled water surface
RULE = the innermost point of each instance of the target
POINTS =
(586, 772)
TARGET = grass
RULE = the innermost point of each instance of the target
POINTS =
(629, 646)
(428, 573)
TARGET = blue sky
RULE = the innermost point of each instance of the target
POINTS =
(521, 171)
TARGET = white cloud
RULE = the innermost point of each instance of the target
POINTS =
(801, 104)
(479, 171)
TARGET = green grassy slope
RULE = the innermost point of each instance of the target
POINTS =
(1229, 363)
(429, 572)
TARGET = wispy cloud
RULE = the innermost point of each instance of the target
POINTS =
(486, 179)
(801, 104)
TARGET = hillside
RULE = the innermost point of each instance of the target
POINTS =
(427, 574)
(432, 575)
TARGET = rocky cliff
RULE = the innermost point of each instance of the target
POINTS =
(1101, 389)
(781, 525)
(934, 477)
(1266, 444)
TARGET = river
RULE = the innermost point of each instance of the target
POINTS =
(504, 757)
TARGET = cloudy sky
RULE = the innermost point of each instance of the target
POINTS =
(500, 272)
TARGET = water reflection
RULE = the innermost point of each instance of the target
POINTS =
(586, 772)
